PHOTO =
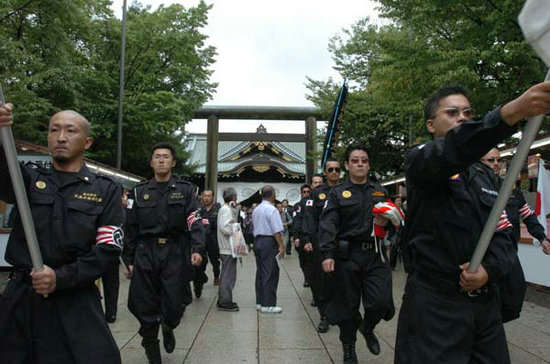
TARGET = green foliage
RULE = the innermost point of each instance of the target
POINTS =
(428, 44)
(65, 54)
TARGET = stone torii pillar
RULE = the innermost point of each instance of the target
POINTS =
(311, 157)
(211, 172)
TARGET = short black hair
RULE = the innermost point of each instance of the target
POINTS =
(331, 160)
(431, 105)
(164, 145)
(228, 194)
(305, 185)
(353, 147)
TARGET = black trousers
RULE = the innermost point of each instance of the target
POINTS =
(363, 278)
(438, 324)
(213, 251)
(66, 327)
(111, 283)
(267, 270)
(159, 289)
(319, 281)
(512, 289)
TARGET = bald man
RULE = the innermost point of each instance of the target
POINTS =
(77, 217)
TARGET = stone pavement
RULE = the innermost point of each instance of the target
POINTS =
(210, 336)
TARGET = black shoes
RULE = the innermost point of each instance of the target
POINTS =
(169, 340)
(231, 307)
(372, 341)
(110, 318)
(350, 356)
(323, 325)
(313, 303)
(306, 284)
(197, 287)
(152, 351)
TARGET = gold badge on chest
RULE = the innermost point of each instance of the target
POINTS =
(146, 197)
(40, 185)
(322, 196)
(346, 194)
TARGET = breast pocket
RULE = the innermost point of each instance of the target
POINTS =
(147, 215)
(350, 209)
(82, 220)
(177, 218)
(41, 209)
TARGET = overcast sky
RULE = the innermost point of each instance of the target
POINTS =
(267, 48)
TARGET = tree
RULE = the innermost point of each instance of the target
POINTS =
(395, 67)
(66, 55)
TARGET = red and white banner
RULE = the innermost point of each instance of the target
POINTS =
(543, 196)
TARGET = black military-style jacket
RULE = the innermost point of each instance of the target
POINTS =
(67, 211)
(518, 210)
(312, 212)
(211, 229)
(347, 215)
(298, 221)
(172, 213)
(449, 200)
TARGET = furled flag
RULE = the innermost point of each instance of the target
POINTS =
(543, 196)
(331, 138)
(534, 20)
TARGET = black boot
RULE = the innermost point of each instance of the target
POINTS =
(350, 356)
(169, 340)
(370, 338)
(152, 350)
(323, 325)
(197, 287)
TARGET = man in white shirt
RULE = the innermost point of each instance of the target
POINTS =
(227, 215)
(268, 244)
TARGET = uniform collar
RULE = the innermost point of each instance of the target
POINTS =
(348, 183)
(84, 174)
(153, 184)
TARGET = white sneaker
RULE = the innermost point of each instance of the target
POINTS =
(258, 307)
(271, 309)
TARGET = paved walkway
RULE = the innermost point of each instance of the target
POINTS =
(207, 335)
(210, 336)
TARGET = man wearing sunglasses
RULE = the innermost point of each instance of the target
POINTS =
(451, 315)
(512, 287)
(354, 257)
(312, 212)
(297, 218)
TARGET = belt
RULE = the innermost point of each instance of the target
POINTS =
(23, 275)
(160, 240)
(442, 283)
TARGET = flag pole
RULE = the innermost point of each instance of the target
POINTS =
(23, 206)
(528, 136)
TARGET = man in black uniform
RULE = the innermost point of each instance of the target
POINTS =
(297, 215)
(513, 286)
(448, 314)
(314, 271)
(354, 256)
(77, 216)
(209, 214)
(165, 237)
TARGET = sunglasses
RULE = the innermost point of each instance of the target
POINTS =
(333, 169)
(454, 112)
(493, 160)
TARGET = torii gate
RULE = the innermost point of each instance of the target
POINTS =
(310, 115)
